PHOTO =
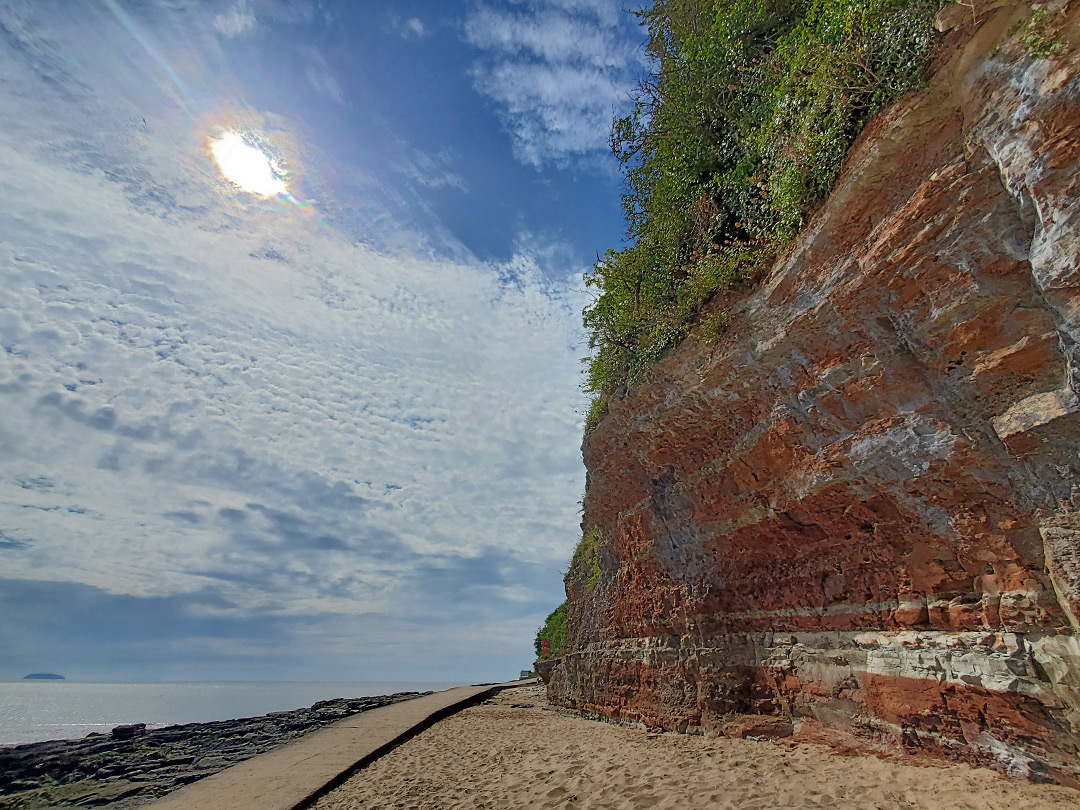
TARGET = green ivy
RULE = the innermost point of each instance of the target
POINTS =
(585, 569)
(1038, 38)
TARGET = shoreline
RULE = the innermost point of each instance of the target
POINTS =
(506, 748)
(133, 765)
(46, 711)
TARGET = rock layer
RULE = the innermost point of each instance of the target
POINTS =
(856, 507)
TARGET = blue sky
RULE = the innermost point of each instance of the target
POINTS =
(333, 436)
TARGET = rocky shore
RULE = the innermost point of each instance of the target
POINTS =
(134, 766)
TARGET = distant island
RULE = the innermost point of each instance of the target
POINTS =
(42, 676)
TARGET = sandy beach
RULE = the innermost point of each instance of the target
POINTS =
(516, 751)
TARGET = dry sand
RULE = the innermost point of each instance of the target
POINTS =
(498, 757)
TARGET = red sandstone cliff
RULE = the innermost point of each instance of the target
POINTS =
(857, 507)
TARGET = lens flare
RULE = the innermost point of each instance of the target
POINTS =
(247, 166)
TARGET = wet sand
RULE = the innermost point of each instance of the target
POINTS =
(514, 751)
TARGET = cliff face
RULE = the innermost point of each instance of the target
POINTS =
(857, 508)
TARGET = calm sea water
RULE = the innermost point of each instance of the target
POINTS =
(31, 711)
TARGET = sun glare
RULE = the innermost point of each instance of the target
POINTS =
(248, 167)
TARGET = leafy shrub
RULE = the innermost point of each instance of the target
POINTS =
(1038, 38)
(738, 132)
(554, 630)
(597, 408)
(585, 566)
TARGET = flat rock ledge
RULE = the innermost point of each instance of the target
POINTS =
(133, 766)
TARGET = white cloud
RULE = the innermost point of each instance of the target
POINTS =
(553, 111)
(410, 28)
(605, 11)
(321, 78)
(432, 170)
(234, 412)
(236, 21)
(301, 431)
(558, 72)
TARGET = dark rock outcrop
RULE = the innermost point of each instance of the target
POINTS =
(544, 668)
(134, 766)
(129, 731)
(860, 506)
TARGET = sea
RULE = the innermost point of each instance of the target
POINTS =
(32, 711)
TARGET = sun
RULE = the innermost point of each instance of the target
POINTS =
(247, 166)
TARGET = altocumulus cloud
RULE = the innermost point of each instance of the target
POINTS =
(557, 71)
(239, 19)
(233, 416)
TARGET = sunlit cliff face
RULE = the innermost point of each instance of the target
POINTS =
(247, 166)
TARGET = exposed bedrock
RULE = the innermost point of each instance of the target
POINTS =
(858, 506)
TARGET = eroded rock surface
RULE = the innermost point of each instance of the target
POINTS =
(858, 506)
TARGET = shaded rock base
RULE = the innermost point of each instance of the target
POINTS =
(991, 699)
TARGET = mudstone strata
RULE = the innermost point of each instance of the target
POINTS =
(858, 510)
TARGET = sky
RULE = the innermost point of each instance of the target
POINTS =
(328, 434)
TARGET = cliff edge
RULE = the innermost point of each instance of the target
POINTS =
(859, 507)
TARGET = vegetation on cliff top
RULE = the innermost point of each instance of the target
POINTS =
(739, 131)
